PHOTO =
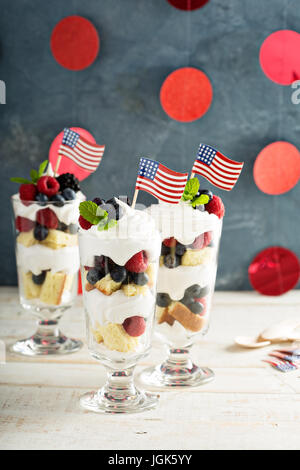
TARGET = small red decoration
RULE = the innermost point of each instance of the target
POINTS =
(274, 271)
(66, 165)
(279, 56)
(186, 94)
(188, 4)
(277, 168)
(75, 43)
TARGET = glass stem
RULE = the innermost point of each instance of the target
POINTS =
(47, 332)
(178, 364)
(119, 387)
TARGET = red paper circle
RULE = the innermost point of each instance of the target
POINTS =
(188, 4)
(186, 94)
(274, 271)
(277, 168)
(67, 165)
(279, 57)
(75, 43)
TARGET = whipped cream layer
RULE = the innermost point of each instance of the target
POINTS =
(117, 307)
(182, 221)
(68, 213)
(134, 232)
(175, 281)
(176, 335)
(37, 258)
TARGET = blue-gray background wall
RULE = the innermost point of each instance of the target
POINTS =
(117, 100)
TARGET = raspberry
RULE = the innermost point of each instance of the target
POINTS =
(48, 185)
(47, 218)
(84, 223)
(216, 206)
(138, 263)
(198, 242)
(134, 326)
(169, 242)
(23, 224)
(27, 192)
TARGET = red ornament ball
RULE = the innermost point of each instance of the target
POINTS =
(188, 4)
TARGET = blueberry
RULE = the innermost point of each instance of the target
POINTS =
(104, 263)
(180, 249)
(196, 307)
(163, 300)
(62, 227)
(58, 200)
(69, 194)
(128, 278)
(165, 250)
(40, 232)
(42, 199)
(98, 201)
(172, 261)
(200, 208)
(118, 273)
(126, 200)
(113, 209)
(193, 291)
(73, 228)
(206, 192)
(204, 292)
(141, 279)
(94, 275)
(39, 278)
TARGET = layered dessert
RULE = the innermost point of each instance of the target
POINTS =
(46, 213)
(119, 251)
(191, 231)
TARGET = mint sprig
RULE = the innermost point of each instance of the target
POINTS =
(88, 210)
(34, 175)
(190, 193)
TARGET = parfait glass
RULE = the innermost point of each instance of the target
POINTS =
(119, 308)
(186, 281)
(47, 256)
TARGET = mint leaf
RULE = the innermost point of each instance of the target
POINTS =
(42, 167)
(105, 224)
(88, 210)
(20, 180)
(201, 200)
(101, 212)
(34, 176)
(191, 189)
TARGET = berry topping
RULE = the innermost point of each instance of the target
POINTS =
(198, 242)
(171, 261)
(163, 300)
(58, 200)
(113, 209)
(42, 199)
(39, 278)
(134, 326)
(202, 302)
(193, 291)
(138, 263)
(48, 185)
(23, 224)
(73, 228)
(98, 201)
(40, 232)
(165, 250)
(141, 279)
(48, 218)
(94, 275)
(84, 223)
(180, 249)
(118, 273)
(67, 180)
(196, 307)
(62, 227)
(216, 206)
(69, 194)
(205, 192)
(27, 192)
(169, 242)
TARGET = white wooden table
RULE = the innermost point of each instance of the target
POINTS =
(248, 406)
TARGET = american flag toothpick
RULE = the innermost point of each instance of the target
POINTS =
(216, 168)
(164, 184)
(81, 152)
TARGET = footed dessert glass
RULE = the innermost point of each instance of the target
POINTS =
(119, 272)
(186, 280)
(47, 258)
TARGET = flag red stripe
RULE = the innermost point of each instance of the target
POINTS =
(212, 170)
(97, 151)
(179, 188)
(231, 163)
(160, 188)
(157, 195)
(89, 146)
(176, 176)
(76, 159)
(81, 157)
(212, 180)
(143, 183)
(203, 172)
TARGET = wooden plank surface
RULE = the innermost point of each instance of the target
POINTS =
(248, 406)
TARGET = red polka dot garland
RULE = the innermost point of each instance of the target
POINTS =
(186, 94)
(277, 168)
(67, 165)
(75, 43)
(188, 4)
(279, 57)
(274, 271)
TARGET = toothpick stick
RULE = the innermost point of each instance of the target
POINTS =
(192, 175)
(57, 165)
(134, 198)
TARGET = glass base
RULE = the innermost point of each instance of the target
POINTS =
(177, 371)
(101, 403)
(45, 345)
